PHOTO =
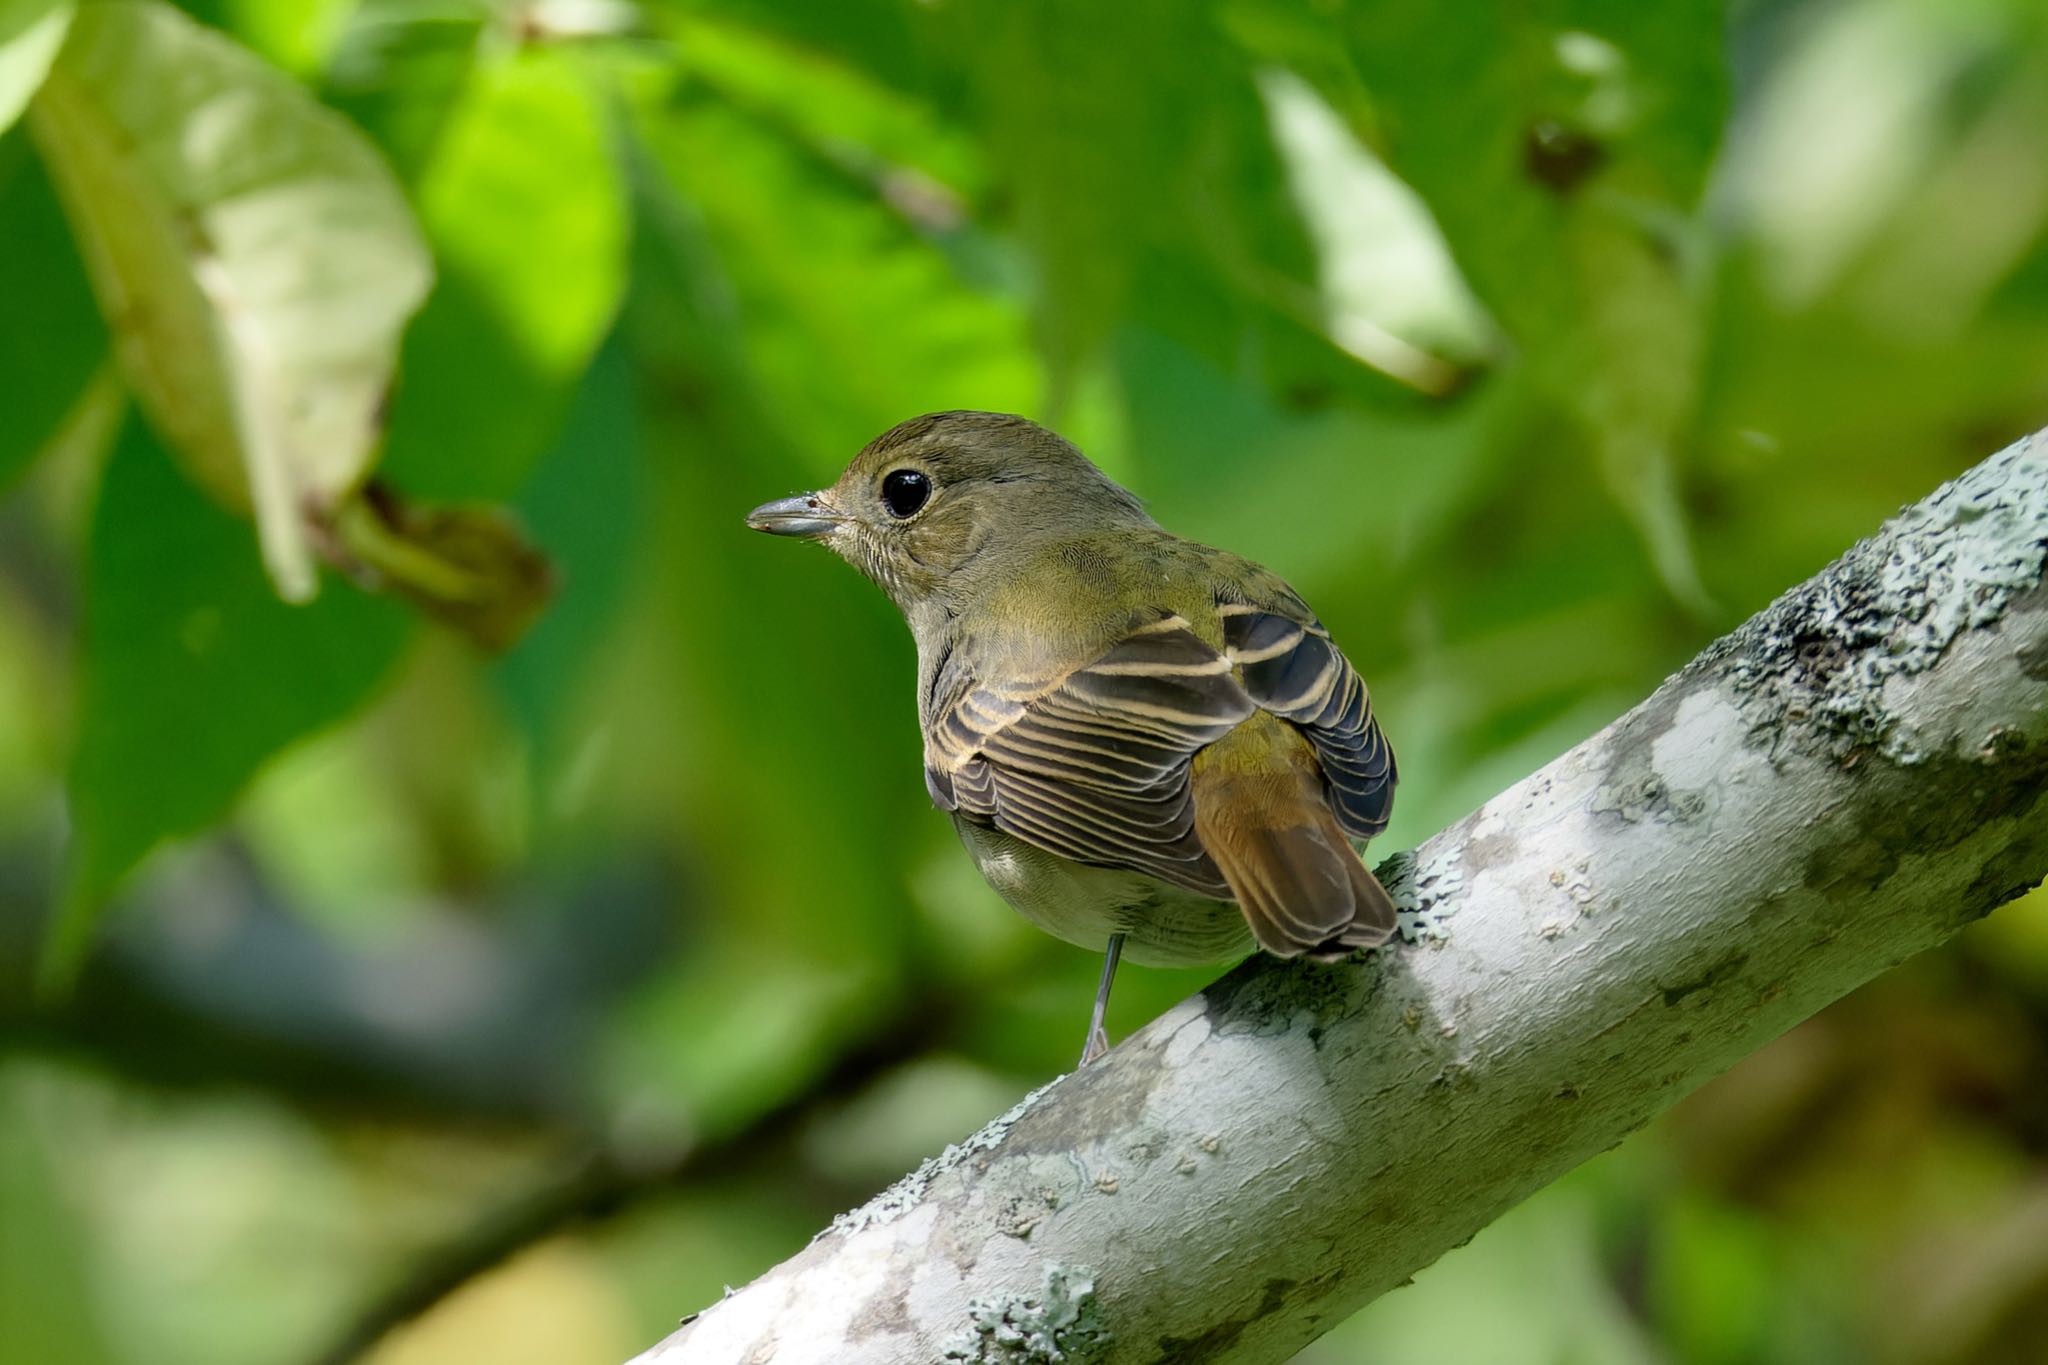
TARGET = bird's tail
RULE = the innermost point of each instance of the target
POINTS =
(1261, 813)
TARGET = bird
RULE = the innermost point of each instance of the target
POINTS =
(1149, 747)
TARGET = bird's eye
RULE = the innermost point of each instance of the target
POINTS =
(904, 491)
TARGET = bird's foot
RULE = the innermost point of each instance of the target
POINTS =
(1098, 1039)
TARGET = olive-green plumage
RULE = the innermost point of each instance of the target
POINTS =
(1134, 734)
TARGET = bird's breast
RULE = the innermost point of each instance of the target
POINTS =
(1164, 925)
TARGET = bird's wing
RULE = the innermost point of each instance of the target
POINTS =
(1092, 763)
(1290, 668)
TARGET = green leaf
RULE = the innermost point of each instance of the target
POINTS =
(397, 70)
(901, 144)
(1567, 175)
(191, 674)
(523, 199)
(853, 318)
(52, 342)
(1568, 112)
(1390, 293)
(587, 502)
(1223, 452)
(31, 31)
(1127, 163)
(253, 254)
(881, 37)
(522, 203)
(292, 34)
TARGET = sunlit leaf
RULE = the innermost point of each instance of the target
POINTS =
(191, 673)
(31, 31)
(528, 222)
(1568, 111)
(1390, 293)
(293, 34)
(1821, 174)
(252, 252)
(1566, 174)
(398, 68)
(523, 199)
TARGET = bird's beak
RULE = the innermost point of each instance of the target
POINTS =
(805, 516)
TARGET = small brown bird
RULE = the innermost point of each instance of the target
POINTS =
(1142, 741)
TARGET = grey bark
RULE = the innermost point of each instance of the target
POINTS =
(1849, 778)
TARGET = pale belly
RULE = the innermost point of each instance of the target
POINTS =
(1165, 925)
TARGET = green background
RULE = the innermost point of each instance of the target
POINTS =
(1535, 343)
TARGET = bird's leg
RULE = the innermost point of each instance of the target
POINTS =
(1098, 1041)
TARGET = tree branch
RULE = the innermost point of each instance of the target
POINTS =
(1849, 778)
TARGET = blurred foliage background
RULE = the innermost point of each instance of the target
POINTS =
(490, 960)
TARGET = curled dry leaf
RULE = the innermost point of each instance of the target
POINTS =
(255, 259)
(468, 566)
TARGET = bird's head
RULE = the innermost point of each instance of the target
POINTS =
(934, 508)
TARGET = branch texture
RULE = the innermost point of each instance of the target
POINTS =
(1849, 778)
